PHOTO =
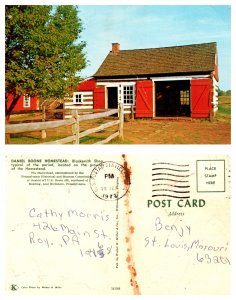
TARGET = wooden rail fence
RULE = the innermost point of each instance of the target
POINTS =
(75, 123)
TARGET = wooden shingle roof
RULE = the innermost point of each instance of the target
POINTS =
(197, 58)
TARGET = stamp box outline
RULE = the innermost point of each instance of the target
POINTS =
(197, 179)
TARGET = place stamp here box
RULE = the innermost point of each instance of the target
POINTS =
(115, 224)
(210, 175)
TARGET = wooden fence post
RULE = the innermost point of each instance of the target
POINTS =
(75, 126)
(43, 132)
(121, 124)
(132, 112)
(63, 113)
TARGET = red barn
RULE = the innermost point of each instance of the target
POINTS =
(25, 102)
(155, 82)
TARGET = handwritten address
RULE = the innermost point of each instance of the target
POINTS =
(179, 236)
(51, 228)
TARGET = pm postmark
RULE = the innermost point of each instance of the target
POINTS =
(108, 181)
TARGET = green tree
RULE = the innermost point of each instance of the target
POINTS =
(224, 93)
(221, 92)
(43, 54)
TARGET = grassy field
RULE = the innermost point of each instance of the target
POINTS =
(224, 111)
(146, 131)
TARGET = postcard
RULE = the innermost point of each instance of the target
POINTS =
(118, 225)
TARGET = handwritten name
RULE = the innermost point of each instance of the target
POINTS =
(178, 229)
(50, 213)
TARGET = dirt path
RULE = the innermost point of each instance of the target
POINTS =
(177, 132)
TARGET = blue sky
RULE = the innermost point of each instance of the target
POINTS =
(148, 26)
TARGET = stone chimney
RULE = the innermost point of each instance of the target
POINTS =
(115, 48)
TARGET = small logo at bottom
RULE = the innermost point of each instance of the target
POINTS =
(13, 287)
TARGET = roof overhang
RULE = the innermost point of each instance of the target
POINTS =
(177, 78)
(150, 76)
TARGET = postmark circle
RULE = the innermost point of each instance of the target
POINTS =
(107, 181)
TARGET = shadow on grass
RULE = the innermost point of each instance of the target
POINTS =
(24, 139)
(94, 139)
(119, 141)
(90, 139)
(30, 139)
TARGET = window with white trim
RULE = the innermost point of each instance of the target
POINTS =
(78, 98)
(128, 94)
(26, 101)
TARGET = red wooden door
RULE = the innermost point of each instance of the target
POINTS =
(201, 98)
(99, 98)
(144, 99)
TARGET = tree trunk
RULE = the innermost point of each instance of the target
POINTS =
(8, 111)
(7, 135)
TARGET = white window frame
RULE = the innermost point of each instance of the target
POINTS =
(79, 94)
(26, 101)
(126, 91)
